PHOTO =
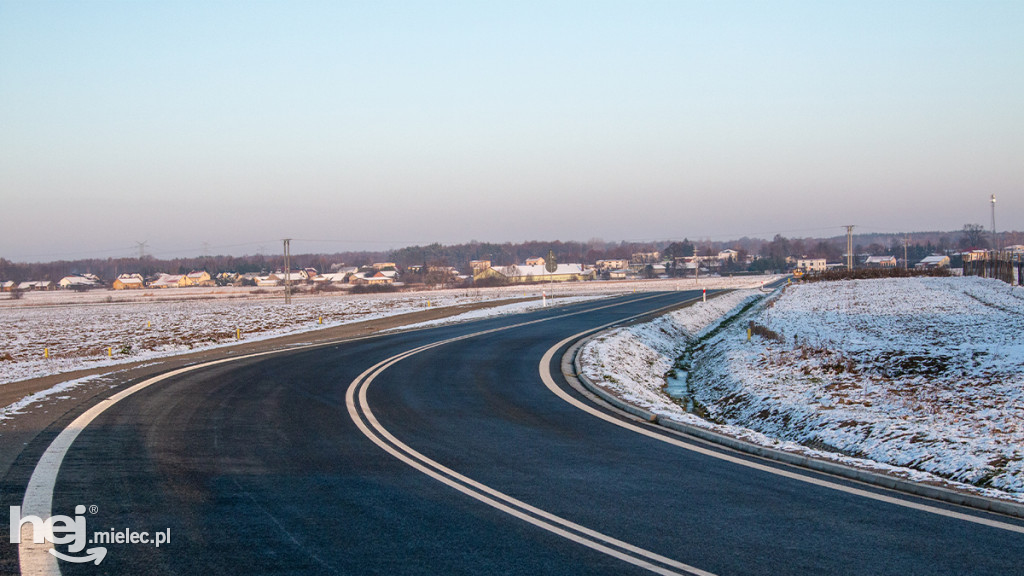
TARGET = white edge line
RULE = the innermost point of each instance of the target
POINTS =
(35, 559)
(486, 494)
(545, 374)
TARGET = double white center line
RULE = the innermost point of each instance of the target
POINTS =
(361, 413)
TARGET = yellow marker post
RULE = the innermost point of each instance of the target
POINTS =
(748, 334)
(238, 333)
(428, 303)
(46, 352)
(110, 351)
(148, 324)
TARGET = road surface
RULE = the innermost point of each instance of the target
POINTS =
(356, 458)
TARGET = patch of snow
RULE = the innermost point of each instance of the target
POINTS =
(104, 328)
(18, 407)
(920, 377)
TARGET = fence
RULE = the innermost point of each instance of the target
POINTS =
(1003, 266)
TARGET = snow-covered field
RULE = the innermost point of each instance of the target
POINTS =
(80, 329)
(922, 377)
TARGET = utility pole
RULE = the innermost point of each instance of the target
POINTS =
(696, 264)
(287, 271)
(849, 247)
(906, 240)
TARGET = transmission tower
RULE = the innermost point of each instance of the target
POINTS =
(142, 248)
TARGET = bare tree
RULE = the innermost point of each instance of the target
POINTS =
(973, 237)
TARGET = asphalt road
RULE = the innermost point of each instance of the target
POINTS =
(258, 467)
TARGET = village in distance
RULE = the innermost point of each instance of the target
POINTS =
(481, 264)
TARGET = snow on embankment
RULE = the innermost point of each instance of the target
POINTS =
(920, 377)
(631, 362)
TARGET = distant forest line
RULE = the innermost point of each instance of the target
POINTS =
(771, 254)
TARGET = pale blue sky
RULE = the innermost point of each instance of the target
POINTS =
(380, 124)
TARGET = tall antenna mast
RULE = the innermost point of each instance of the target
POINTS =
(849, 247)
(995, 246)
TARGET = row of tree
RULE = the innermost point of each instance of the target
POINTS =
(772, 254)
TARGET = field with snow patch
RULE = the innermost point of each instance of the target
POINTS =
(922, 377)
(79, 329)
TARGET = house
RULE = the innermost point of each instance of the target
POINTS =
(933, 261)
(811, 264)
(534, 261)
(384, 266)
(334, 277)
(35, 285)
(536, 273)
(974, 255)
(267, 281)
(227, 278)
(618, 274)
(169, 281)
(78, 282)
(129, 282)
(377, 278)
(294, 276)
(880, 262)
(728, 255)
(614, 264)
(1015, 249)
(7, 286)
(646, 257)
(198, 278)
(479, 265)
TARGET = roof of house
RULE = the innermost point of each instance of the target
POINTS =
(332, 277)
(295, 275)
(934, 259)
(77, 281)
(523, 271)
(167, 280)
(873, 259)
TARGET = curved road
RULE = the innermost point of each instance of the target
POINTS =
(457, 459)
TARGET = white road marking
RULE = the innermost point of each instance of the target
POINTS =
(483, 493)
(35, 559)
(545, 375)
